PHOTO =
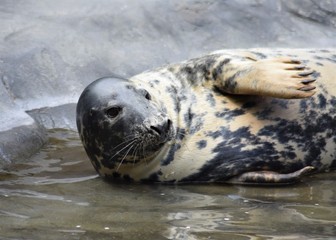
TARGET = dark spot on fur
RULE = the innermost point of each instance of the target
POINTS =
(289, 153)
(333, 101)
(189, 70)
(207, 67)
(130, 87)
(201, 144)
(180, 133)
(230, 84)
(182, 97)
(313, 156)
(171, 155)
(316, 74)
(259, 54)
(210, 98)
(265, 113)
(218, 70)
(280, 102)
(188, 116)
(172, 89)
(230, 114)
(322, 101)
(303, 105)
(199, 69)
(196, 124)
(177, 98)
(214, 135)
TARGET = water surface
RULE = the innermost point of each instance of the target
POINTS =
(57, 195)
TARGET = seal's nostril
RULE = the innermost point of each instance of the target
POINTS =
(156, 130)
(169, 123)
(163, 129)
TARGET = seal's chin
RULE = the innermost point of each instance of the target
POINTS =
(155, 147)
(144, 155)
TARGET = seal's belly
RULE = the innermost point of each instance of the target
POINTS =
(256, 134)
(230, 134)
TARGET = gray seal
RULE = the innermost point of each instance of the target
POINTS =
(249, 117)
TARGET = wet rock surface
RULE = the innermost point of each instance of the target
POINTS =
(49, 51)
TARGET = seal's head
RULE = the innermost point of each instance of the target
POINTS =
(119, 124)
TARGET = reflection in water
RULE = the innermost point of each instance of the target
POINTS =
(57, 195)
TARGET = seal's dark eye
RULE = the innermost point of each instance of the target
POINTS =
(113, 112)
(148, 96)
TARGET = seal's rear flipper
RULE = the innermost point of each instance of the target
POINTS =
(270, 178)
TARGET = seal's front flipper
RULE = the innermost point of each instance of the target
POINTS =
(270, 178)
(280, 77)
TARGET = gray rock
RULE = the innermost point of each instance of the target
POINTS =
(50, 50)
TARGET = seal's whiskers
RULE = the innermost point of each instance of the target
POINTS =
(135, 152)
(142, 144)
(122, 160)
(134, 140)
(124, 142)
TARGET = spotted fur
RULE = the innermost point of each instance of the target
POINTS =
(234, 112)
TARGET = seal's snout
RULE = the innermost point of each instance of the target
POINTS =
(162, 129)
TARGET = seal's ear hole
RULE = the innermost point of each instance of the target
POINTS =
(148, 96)
(113, 112)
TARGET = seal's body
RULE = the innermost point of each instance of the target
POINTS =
(232, 116)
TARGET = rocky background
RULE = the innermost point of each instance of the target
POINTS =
(50, 50)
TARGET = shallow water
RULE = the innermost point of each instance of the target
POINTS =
(57, 195)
